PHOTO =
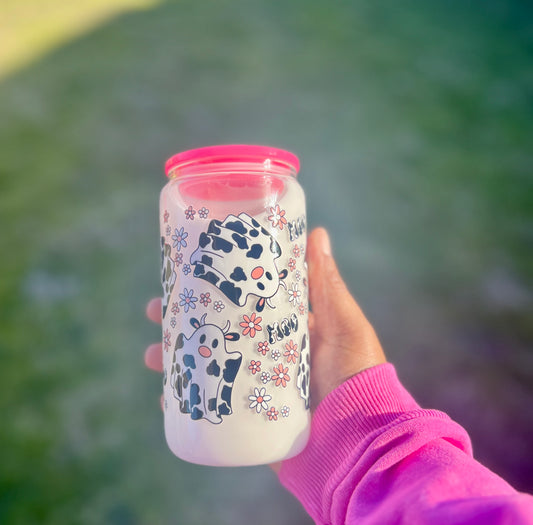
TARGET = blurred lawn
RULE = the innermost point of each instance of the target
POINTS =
(414, 126)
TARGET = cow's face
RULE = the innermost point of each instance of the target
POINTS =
(207, 339)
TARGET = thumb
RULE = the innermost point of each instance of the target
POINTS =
(332, 303)
(343, 342)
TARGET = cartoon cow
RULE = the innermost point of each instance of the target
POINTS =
(238, 257)
(304, 367)
(203, 371)
(168, 274)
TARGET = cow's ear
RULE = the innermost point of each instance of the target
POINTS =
(283, 274)
(179, 342)
(232, 336)
(195, 323)
(260, 304)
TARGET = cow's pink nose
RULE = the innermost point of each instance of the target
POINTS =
(204, 351)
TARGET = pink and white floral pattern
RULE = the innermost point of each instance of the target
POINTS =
(291, 352)
(263, 348)
(294, 294)
(251, 324)
(255, 366)
(281, 376)
(277, 217)
(259, 399)
(272, 414)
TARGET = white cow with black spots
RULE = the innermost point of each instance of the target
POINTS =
(238, 256)
(203, 371)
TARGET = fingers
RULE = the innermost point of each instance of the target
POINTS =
(153, 357)
(153, 310)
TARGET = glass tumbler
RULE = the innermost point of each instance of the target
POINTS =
(235, 306)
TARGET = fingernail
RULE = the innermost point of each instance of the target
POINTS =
(326, 244)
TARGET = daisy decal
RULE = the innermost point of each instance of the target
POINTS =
(296, 250)
(276, 354)
(285, 410)
(218, 306)
(251, 324)
(294, 294)
(291, 351)
(187, 299)
(255, 366)
(281, 377)
(259, 399)
(265, 377)
(203, 213)
(277, 217)
(179, 238)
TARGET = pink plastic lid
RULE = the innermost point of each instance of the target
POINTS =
(233, 153)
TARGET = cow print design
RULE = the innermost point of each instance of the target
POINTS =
(238, 256)
(304, 367)
(203, 371)
(168, 274)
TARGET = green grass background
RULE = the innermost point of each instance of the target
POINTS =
(414, 123)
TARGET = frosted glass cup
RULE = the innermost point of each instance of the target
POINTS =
(235, 305)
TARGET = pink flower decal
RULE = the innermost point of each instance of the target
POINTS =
(281, 377)
(166, 339)
(178, 258)
(166, 215)
(251, 324)
(291, 351)
(272, 414)
(292, 264)
(255, 366)
(262, 347)
(205, 299)
(278, 217)
(189, 213)
(296, 250)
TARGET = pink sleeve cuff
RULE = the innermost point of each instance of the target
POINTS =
(345, 423)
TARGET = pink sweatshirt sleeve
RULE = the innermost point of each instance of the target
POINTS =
(376, 457)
